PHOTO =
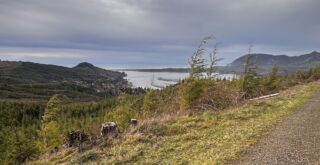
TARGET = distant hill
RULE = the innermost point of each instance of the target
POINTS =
(84, 73)
(286, 63)
(82, 79)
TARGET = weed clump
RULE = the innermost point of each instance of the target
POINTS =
(86, 157)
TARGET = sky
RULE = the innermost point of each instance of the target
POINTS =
(153, 33)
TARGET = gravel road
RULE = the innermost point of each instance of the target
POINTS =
(295, 140)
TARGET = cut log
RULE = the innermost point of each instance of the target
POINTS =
(266, 96)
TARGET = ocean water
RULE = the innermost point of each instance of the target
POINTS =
(161, 79)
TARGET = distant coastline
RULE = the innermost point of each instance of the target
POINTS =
(220, 69)
(176, 70)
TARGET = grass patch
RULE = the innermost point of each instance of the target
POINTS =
(207, 138)
(86, 157)
(210, 137)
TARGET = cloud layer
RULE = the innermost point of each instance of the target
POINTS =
(130, 33)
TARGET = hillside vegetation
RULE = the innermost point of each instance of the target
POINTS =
(33, 81)
(200, 120)
(209, 137)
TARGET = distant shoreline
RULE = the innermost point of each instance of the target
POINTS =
(220, 69)
(176, 70)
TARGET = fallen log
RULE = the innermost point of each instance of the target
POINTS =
(266, 96)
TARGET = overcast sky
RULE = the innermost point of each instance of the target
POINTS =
(153, 33)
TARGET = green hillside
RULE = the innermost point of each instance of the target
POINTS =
(33, 81)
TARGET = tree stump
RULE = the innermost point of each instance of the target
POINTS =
(134, 122)
(109, 129)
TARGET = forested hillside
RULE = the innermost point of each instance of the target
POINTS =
(19, 131)
(33, 81)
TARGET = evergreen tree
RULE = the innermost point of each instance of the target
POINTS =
(272, 80)
(53, 110)
(51, 133)
(23, 146)
(299, 75)
(197, 62)
(190, 93)
(250, 77)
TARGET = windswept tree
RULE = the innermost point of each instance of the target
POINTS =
(191, 91)
(197, 62)
(52, 110)
(212, 68)
(50, 128)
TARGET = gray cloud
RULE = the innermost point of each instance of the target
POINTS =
(153, 32)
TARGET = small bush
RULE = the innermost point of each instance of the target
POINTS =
(218, 97)
(190, 92)
(271, 82)
(150, 102)
(121, 115)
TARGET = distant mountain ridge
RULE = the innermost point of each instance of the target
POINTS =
(285, 63)
(282, 60)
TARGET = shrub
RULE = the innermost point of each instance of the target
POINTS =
(271, 82)
(190, 92)
(218, 96)
(52, 135)
(150, 102)
(121, 115)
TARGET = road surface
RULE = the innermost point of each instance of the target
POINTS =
(295, 140)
